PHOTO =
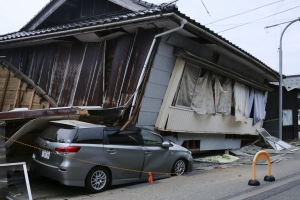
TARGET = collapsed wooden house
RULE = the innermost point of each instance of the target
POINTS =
(130, 58)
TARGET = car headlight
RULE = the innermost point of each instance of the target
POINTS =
(189, 152)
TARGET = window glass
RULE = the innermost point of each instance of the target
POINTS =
(187, 85)
(58, 133)
(122, 138)
(151, 139)
(287, 118)
(89, 136)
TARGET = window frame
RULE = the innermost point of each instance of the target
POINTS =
(106, 140)
(153, 134)
(178, 89)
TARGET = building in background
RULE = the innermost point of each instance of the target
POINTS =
(290, 106)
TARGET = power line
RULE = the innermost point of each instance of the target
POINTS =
(279, 24)
(205, 7)
(258, 19)
(243, 12)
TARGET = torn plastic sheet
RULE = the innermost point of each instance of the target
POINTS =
(239, 153)
(276, 143)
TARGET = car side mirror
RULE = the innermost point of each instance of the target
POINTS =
(166, 144)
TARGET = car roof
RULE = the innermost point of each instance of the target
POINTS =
(78, 124)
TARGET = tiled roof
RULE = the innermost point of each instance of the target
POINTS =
(290, 82)
(93, 22)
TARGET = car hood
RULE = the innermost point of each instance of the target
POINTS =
(176, 147)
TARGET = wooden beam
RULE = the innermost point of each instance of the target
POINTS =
(68, 3)
(17, 95)
(31, 99)
(4, 90)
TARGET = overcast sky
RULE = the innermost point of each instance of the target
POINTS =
(253, 37)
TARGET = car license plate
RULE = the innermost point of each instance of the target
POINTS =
(46, 154)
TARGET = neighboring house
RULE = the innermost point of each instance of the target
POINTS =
(290, 106)
(193, 86)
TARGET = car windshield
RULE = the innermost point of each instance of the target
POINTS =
(58, 133)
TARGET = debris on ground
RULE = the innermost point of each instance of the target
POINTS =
(226, 158)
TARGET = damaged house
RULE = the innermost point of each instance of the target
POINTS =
(130, 62)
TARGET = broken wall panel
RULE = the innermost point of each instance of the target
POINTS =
(138, 57)
(72, 75)
(59, 70)
(117, 71)
(49, 61)
(86, 73)
(96, 91)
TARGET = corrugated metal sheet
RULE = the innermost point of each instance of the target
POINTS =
(181, 120)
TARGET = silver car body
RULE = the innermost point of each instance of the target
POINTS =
(72, 169)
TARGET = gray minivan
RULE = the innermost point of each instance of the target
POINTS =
(91, 156)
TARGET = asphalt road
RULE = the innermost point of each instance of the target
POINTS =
(231, 183)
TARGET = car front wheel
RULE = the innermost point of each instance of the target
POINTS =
(179, 167)
(97, 180)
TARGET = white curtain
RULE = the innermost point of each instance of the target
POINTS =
(259, 107)
(187, 86)
(249, 100)
(203, 101)
(240, 102)
(223, 96)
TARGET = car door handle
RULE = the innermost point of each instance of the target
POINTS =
(111, 151)
(149, 153)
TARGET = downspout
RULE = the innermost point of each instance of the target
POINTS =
(182, 22)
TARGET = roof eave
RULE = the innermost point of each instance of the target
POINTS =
(43, 15)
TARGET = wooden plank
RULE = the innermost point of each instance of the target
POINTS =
(11, 93)
(31, 99)
(169, 96)
(117, 71)
(70, 83)
(59, 71)
(4, 72)
(141, 47)
(17, 94)
(86, 73)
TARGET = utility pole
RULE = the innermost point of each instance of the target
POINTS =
(280, 72)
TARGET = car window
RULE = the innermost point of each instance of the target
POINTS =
(151, 139)
(58, 133)
(89, 136)
(122, 138)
